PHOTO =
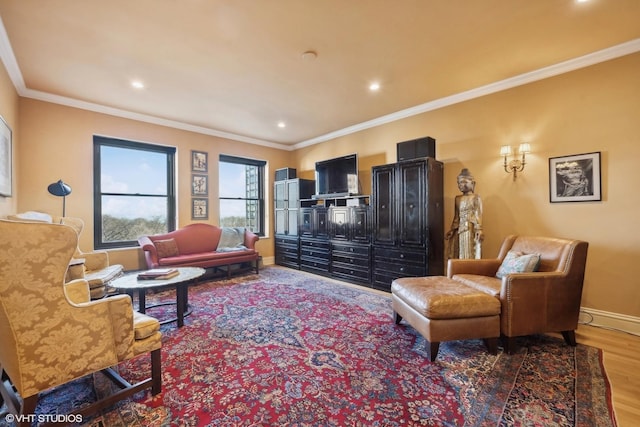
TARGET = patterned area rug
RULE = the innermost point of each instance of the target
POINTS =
(290, 349)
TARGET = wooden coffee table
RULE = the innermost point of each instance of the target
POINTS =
(130, 284)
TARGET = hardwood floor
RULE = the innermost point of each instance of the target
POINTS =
(621, 355)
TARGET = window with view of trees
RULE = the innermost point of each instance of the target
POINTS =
(134, 191)
(241, 190)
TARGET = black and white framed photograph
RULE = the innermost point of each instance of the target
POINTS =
(199, 161)
(575, 178)
(199, 208)
(199, 185)
(5, 159)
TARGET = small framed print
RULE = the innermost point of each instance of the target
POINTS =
(199, 208)
(199, 185)
(575, 178)
(199, 161)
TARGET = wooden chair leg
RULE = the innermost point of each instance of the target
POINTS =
(509, 344)
(432, 350)
(156, 372)
(492, 345)
(570, 337)
(397, 318)
(28, 408)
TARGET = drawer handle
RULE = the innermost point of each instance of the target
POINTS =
(401, 255)
(402, 269)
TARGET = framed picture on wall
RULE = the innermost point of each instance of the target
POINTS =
(199, 185)
(575, 178)
(199, 208)
(199, 161)
(5, 159)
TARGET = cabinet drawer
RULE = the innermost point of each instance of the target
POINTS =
(400, 268)
(314, 253)
(351, 249)
(314, 266)
(318, 244)
(284, 241)
(293, 250)
(402, 255)
(350, 272)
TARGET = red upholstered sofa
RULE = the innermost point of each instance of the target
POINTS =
(201, 245)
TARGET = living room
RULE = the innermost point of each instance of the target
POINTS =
(584, 109)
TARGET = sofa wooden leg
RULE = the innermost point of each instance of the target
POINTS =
(492, 345)
(397, 318)
(432, 350)
(570, 337)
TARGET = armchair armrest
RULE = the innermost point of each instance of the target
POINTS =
(480, 267)
(149, 250)
(535, 301)
(96, 260)
(77, 291)
(117, 314)
(250, 239)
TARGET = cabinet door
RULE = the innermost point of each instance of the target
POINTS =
(279, 194)
(339, 223)
(383, 178)
(322, 223)
(412, 205)
(292, 194)
(360, 224)
(306, 222)
(281, 221)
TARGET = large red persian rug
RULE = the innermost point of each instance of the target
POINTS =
(286, 348)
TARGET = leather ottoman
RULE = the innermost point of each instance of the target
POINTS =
(442, 309)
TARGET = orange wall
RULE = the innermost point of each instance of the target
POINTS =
(593, 109)
(57, 143)
(9, 112)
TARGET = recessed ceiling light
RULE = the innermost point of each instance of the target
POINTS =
(309, 55)
(375, 86)
(282, 124)
(137, 84)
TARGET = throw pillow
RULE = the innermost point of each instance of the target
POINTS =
(517, 262)
(166, 248)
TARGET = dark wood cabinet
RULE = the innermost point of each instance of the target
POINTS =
(408, 220)
(287, 195)
(399, 234)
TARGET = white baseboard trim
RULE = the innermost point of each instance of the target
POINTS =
(605, 319)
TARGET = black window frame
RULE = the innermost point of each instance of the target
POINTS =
(261, 165)
(101, 141)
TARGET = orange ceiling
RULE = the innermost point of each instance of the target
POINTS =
(235, 67)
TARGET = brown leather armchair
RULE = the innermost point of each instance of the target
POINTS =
(547, 300)
(51, 332)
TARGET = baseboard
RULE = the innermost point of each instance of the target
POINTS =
(605, 319)
(268, 260)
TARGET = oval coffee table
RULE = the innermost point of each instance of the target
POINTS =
(130, 283)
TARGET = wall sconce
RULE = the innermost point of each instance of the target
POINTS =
(516, 165)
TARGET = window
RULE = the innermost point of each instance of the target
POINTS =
(241, 190)
(134, 191)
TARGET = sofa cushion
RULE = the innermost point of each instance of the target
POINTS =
(487, 284)
(518, 262)
(166, 248)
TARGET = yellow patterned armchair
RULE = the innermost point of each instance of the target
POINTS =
(92, 266)
(51, 332)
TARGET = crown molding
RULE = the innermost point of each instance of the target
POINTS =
(603, 55)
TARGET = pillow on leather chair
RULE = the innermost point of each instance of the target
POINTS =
(518, 262)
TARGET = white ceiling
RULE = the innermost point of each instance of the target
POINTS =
(234, 68)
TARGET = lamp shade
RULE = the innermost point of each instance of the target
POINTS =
(59, 188)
